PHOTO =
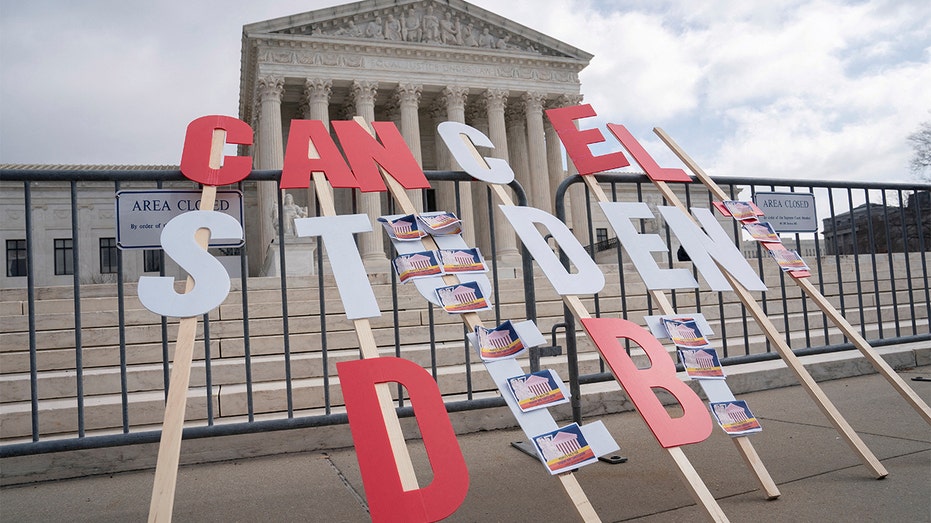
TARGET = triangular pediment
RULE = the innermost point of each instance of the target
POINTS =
(449, 24)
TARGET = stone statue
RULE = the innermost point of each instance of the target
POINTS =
(374, 29)
(351, 29)
(392, 28)
(449, 33)
(431, 26)
(503, 43)
(410, 26)
(292, 211)
(468, 37)
(486, 39)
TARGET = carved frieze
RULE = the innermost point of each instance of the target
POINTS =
(426, 23)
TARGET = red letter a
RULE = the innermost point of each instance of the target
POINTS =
(310, 149)
(386, 497)
(695, 423)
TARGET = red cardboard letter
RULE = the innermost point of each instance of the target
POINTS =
(365, 154)
(695, 423)
(577, 141)
(310, 149)
(644, 160)
(386, 498)
(195, 157)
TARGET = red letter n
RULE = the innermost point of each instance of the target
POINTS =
(365, 154)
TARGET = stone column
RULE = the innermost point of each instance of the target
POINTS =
(517, 145)
(317, 96)
(408, 98)
(455, 97)
(269, 155)
(495, 100)
(553, 159)
(476, 117)
(577, 210)
(371, 245)
(536, 151)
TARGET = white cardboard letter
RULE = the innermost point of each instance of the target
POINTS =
(715, 246)
(589, 278)
(212, 282)
(454, 135)
(639, 246)
(351, 278)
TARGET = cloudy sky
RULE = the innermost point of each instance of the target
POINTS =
(796, 88)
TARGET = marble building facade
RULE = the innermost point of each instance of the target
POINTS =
(416, 63)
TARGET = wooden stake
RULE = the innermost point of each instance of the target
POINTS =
(697, 488)
(169, 447)
(791, 360)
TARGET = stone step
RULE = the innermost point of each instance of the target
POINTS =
(229, 399)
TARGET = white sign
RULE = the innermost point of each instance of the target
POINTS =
(141, 215)
(788, 211)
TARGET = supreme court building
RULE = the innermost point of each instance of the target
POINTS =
(417, 63)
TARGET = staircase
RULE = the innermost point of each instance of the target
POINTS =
(313, 379)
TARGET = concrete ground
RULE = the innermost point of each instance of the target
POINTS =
(820, 478)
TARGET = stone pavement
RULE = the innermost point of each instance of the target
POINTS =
(819, 476)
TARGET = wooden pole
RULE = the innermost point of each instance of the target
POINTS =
(169, 447)
(791, 360)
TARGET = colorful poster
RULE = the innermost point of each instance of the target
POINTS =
(701, 363)
(440, 222)
(740, 211)
(538, 390)
(761, 232)
(462, 260)
(462, 297)
(735, 417)
(402, 228)
(500, 342)
(789, 260)
(417, 265)
(564, 449)
(685, 332)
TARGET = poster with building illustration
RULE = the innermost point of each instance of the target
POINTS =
(735, 417)
(538, 390)
(462, 260)
(500, 342)
(440, 222)
(417, 265)
(462, 297)
(701, 363)
(685, 332)
(741, 211)
(788, 260)
(761, 232)
(564, 449)
(403, 228)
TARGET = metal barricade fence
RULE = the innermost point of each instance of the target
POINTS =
(274, 344)
(45, 405)
(873, 267)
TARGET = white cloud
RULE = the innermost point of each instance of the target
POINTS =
(803, 88)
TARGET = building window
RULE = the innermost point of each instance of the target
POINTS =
(601, 235)
(64, 261)
(152, 260)
(16, 258)
(108, 262)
